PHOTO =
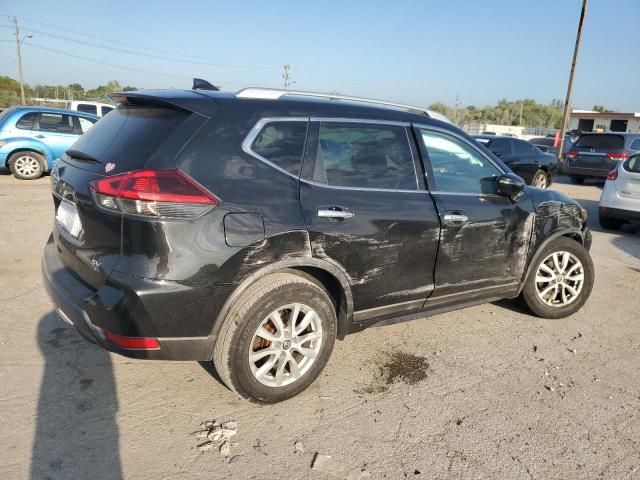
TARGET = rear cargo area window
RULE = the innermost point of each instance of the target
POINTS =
(282, 144)
(129, 135)
(601, 142)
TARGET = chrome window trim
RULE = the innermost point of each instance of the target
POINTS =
(467, 142)
(366, 189)
(255, 131)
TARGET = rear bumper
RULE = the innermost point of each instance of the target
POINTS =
(115, 307)
(574, 171)
(619, 214)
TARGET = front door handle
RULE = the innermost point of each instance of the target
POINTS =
(455, 219)
(40, 136)
(334, 213)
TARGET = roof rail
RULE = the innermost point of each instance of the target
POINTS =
(275, 94)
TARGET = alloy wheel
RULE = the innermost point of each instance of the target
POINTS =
(559, 279)
(540, 181)
(285, 345)
(26, 166)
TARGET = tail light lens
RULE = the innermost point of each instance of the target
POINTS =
(153, 193)
(572, 154)
(617, 156)
(134, 343)
(613, 174)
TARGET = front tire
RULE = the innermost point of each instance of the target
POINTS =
(560, 279)
(260, 354)
(26, 165)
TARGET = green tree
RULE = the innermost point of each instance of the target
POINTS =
(601, 109)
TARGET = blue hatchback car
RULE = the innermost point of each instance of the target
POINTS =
(32, 139)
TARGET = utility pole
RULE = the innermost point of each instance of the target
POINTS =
(18, 42)
(455, 112)
(567, 102)
(286, 76)
(520, 113)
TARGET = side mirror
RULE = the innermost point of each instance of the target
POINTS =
(511, 185)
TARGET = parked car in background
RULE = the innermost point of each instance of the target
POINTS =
(596, 154)
(94, 108)
(526, 160)
(620, 199)
(253, 229)
(32, 139)
(546, 144)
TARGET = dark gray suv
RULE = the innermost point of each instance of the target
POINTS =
(596, 154)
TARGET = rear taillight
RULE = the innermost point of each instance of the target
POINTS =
(617, 156)
(153, 193)
(613, 174)
(572, 154)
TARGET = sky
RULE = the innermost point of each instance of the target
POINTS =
(415, 52)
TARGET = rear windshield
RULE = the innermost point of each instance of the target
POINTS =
(129, 135)
(601, 142)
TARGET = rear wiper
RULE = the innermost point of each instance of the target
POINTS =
(78, 155)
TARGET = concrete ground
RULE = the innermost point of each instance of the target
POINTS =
(505, 395)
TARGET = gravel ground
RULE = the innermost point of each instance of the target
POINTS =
(495, 393)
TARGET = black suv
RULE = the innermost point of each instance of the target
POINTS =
(253, 229)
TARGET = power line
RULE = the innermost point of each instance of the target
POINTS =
(148, 55)
(139, 47)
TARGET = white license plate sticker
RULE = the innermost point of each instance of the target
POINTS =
(68, 218)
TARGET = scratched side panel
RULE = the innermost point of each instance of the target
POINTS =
(388, 248)
(490, 249)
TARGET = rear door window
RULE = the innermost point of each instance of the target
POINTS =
(55, 123)
(364, 156)
(520, 147)
(601, 142)
(282, 143)
(87, 108)
(27, 121)
(501, 147)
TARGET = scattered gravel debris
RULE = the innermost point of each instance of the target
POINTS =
(298, 447)
(217, 436)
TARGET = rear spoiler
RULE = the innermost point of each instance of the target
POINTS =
(189, 100)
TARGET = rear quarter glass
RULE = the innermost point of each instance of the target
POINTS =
(127, 138)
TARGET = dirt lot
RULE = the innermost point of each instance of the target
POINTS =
(499, 394)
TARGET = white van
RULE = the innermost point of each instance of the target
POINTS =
(96, 108)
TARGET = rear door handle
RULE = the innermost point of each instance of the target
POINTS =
(334, 213)
(40, 136)
(455, 219)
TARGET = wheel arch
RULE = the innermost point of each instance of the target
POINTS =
(30, 148)
(326, 275)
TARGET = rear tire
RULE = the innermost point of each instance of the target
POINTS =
(26, 165)
(540, 179)
(609, 223)
(258, 322)
(555, 289)
(577, 180)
